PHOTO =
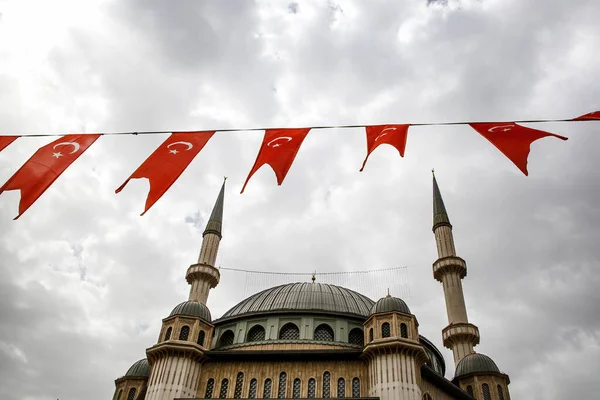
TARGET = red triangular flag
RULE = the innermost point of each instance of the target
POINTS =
(594, 115)
(167, 163)
(512, 140)
(45, 166)
(394, 135)
(6, 140)
(278, 149)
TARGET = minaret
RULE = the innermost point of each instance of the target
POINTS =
(460, 336)
(203, 275)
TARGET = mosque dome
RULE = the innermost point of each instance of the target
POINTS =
(475, 362)
(389, 304)
(304, 297)
(193, 309)
(139, 368)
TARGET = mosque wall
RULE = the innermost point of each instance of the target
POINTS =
(434, 391)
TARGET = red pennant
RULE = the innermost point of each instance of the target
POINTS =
(168, 162)
(394, 135)
(6, 140)
(45, 166)
(278, 149)
(512, 140)
(594, 115)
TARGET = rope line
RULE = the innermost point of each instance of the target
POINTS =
(311, 273)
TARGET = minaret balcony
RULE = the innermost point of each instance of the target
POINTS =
(204, 272)
(449, 264)
(461, 332)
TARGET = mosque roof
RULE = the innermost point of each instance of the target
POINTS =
(311, 297)
(139, 368)
(475, 362)
(193, 309)
(389, 304)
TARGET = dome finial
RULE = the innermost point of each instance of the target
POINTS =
(388, 295)
(314, 278)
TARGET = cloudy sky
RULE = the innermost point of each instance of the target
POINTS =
(85, 281)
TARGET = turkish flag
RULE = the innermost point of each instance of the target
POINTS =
(594, 115)
(6, 140)
(278, 149)
(45, 166)
(394, 135)
(512, 140)
(168, 162)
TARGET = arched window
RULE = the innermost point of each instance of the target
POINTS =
(385, 330)
(371, 335)
(224, 388)
(326, 385)
(201, 336)
(470, 390)
(341, 393)
(256, 334)
(426, 396)
(486, 392)
(355, 387)
(239, 382)
(289, 332)
(226, 338)
(131, 395)
(296, 391)
(267, 389)
(312, 388)
(252, 390)
(500, 392)
(168, 334)
(403, 330)
(356, 336)
(120, 394)
(210, 385)
(281, 387)
(324, 333)
(184, 333)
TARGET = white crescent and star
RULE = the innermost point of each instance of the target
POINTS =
(174, 151)
(286, 138)
(59, 154)
(501, 128)
(383, 133)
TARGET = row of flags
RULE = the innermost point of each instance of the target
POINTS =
(278, 150)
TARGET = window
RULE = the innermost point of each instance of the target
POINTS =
(184, 333)
(500, 392)
(385, 330)
(226, 338)
(210, 385)
(296, 391)
(281, 387)
(168, 334)
(470, 390)
(256, 334)
(120, 393)
(326, 385)
(252, 391)
(403, 330)
(341, 393)
(355, 387)
(426, 396)
(267, 390)
(131, 395)
(486, 392)
(289, 332)
(201, 336)
(356, 336)
(239, 382)
(371, 335)
(312, 388)
(224, 387)
(324, 333)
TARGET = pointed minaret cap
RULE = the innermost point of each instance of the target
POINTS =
(440, 216)
(215, 222)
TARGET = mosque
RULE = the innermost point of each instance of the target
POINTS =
(313, 340)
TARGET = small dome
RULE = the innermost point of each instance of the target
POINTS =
(193, 309)
(139, 368)
(475, 362)
(389, 304)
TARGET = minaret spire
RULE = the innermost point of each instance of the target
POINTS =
(203, 275)
(460, 336)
